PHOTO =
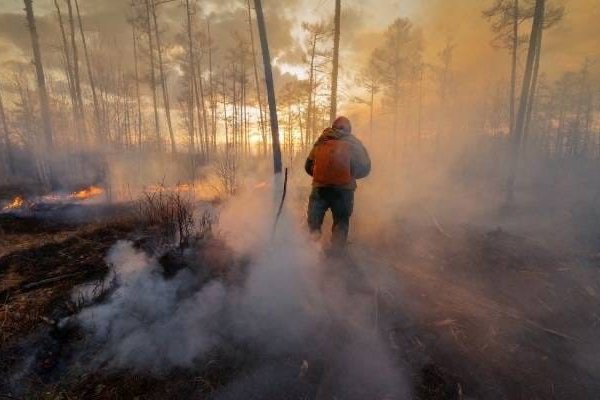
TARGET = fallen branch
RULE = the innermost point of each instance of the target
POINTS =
(43, 282)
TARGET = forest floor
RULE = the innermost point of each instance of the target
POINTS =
(471, 313)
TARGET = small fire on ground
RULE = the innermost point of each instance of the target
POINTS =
(14, 204)
(19, 202)
(87, 193)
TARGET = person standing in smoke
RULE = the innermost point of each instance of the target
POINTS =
(335, 162)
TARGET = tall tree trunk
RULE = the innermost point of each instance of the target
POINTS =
(225, 122)
(152, 73)
(8, 154)
(336, 55)
(513, 72)
(90, 73)
(44, 170)
(68, 64)
(257, 83)
(41, 79)
(311, 83)
(76, 78)
(202, 105)
(420, 106)
(137, 87)
(531, 101)
(534, 42)
(213, 100)
(163, 80)
(262, 30)
(192, 72)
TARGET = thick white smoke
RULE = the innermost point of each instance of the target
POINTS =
(292, 301)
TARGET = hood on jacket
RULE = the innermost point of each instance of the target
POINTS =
(331, 133)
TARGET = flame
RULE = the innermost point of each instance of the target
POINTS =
(87, 193)
(15, 203)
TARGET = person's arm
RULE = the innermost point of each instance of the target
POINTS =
(360, 161)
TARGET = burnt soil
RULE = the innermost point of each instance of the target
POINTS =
(478, 314)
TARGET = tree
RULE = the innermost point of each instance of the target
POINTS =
(90, 73)
(148, 26)
(317, 32)
(163, 79)
(136, 76)
(505, 17)
(336, 54)
(395, 61)
(192, 74)
(7, 146)
(534, 42)
(257, 82)
(262, 31)
(41, 78)
(68, 65)
(369, 79)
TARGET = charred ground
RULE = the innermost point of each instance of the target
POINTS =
(468, 312)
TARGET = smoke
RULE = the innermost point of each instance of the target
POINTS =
(292, 303)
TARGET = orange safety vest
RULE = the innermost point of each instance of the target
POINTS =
(332, 163)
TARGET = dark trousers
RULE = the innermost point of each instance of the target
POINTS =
(341, 203)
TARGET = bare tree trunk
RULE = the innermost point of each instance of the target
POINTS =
(41, 79)
(224, 87)
(90, 73)
(68, 65)
(234, 122)
(420, 106)
(257, 83)
(213, 101)
(336, 54)
(8, 154)
(163, 80)
(192, 72)
(202, 105)
(534, 41)
(531, 101)
(277, 167)
(311, 83)
(44, 170)
(76, 78)
(137, 87)
(152, 73)
(513, 72)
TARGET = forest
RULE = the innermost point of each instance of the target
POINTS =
(154, 241)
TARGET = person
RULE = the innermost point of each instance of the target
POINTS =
(335, 162)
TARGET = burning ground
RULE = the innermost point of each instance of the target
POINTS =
(110, 308)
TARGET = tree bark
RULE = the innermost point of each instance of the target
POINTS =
(202, 106)
(90, 73)
(192, 72)
(517, 138)
(336, 53)
(213, 101)
(76, 77)
(257, 83)
(513, 72)
(152, 73)
(531, 101)
(68, 65)
(311, 80)
(8, 154)
(137, 87)
(262, 30)
(40, 77)
(163, 80)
